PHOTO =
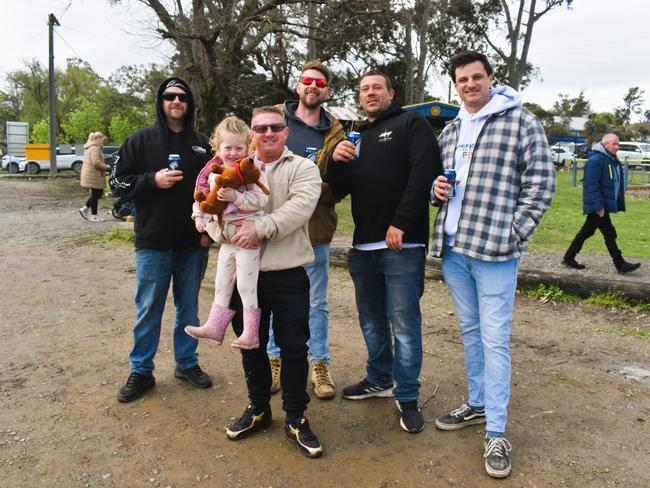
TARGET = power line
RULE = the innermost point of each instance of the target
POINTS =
(68, 44)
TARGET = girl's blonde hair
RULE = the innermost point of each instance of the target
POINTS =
(230, 125)
(94, 135)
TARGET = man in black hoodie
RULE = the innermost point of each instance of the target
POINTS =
(166, 242)
(389, 175)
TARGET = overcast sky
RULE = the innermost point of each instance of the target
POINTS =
(594, 47)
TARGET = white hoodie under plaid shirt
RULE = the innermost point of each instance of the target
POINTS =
(510, 185)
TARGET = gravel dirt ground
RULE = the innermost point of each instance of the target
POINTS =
(579, 413)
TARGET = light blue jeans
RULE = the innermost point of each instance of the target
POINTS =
(483, 293)
(388, 286)
(154, 271)
(319, 315)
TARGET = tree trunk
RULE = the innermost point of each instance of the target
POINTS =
(422, 60)
(408, 58)
(312, 19)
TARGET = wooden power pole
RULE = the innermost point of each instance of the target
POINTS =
(52, 21)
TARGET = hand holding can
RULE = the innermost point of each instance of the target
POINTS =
(174, 162)
(450, 175)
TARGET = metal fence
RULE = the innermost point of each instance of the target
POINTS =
(635, 171)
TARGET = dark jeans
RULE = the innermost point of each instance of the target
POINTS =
(604, 224)
(285, 294)
(95, 195)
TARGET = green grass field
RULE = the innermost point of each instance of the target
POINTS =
(565, 218)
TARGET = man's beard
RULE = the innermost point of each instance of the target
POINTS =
(311, 103)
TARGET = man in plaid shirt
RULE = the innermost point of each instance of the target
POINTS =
(505, 180)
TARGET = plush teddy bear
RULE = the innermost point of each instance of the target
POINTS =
(244, 172)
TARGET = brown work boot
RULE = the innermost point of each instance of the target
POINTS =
(320, 377)
(276, 364)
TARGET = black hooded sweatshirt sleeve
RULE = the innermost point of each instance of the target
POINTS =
(391, 179)
(163, 216)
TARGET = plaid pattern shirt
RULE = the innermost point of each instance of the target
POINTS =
(510, 185)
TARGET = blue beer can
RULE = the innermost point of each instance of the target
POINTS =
(310, 153)
(354, 137)
(450, 174)
(174, 162)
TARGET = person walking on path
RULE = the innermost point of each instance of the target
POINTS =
(388, 175)
(92, 175)
(603, 192)
(167, 244)
(282, 285)
(505, 180)
(312, 128)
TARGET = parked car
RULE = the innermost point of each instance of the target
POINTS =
(562, 156)
(63, 161)
(11, 163)
(633, 151)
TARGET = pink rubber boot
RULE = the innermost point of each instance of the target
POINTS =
(215, 327)
(250, 338)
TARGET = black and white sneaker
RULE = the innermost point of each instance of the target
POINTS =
(461, 417)
(252, 420)
(411, 419)
(301, 435)
(366, 389)
(497, 456)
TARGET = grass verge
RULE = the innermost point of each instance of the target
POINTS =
(624, 330)
(552, 293)
(563, 220)
(116, 236)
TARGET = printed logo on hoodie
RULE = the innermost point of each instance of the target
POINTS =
(199, 149)
(386, 136)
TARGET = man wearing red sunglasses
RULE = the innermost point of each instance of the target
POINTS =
(312, 128)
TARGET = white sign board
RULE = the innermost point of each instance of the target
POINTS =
(17, 137)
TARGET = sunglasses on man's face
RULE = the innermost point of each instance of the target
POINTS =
(262, 128)
(308, 80)
(171, 96)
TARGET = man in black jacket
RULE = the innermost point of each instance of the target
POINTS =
(388, 175)
(166, 242)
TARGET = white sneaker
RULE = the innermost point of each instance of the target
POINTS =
(97, 218)
(83, 211)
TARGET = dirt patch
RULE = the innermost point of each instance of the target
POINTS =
(579, 413)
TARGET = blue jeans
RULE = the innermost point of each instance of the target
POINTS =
(154, 271)
(318, 273)
(388, 286)
(483, 293)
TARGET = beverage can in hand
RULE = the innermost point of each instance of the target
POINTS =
(355, 138)
(450, 174)
(174, 162)
(310, 153)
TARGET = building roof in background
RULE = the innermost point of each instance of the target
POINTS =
(345, 113)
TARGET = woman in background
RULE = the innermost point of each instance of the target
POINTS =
(92, 174)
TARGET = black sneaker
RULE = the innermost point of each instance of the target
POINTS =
(625, 267)
(366, 389)
(195, 375)
(252, 420)
(461, 417)
(301, 435)
(497, 456)
(411, 420)
(572, 263)
(135, 386)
